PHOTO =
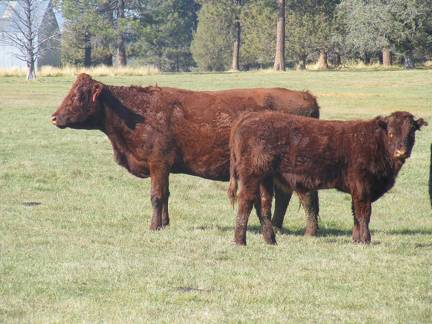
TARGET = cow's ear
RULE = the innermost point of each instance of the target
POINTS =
(419, 123)
(382, 122)
(97, 90)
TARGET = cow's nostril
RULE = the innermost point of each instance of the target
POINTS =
(53, 119)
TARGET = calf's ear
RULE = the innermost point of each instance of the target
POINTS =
(419, 123)
(97, 89)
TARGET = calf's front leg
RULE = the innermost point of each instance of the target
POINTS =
(362, 211)
(159, 197)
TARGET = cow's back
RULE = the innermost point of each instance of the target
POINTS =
(202, 121)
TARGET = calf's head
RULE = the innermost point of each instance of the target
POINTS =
(400, 130)
(80, 108)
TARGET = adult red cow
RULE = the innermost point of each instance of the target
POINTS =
(157, 131)
(362, 158)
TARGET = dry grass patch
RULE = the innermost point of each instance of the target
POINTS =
(100, 70)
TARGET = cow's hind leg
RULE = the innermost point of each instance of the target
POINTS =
(159, 195)
(362, 211)
(248, 193)
(282, 199)
(310, 203)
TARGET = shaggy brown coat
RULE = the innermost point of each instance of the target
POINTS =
(157, 131)
(361, 158)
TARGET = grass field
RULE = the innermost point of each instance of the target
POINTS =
(75, 244)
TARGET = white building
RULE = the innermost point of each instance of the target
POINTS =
(44, 22)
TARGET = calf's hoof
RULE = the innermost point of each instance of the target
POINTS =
(311, 231)
(240, 243)
(270, 241)
(155, 227)
(165, 222)
(278, 230)
(355, 235)
(269, 236)
(238, 240)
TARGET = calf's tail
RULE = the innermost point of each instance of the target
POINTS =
(233, 183)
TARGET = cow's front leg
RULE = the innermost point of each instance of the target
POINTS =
(356, 226)
(362, 211)
(310, 203)
(165, 214)
(159, 195)
(282, 199)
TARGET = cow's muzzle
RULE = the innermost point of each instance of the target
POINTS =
(55, 120)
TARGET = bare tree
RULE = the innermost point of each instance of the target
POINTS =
(279, 64)
(26, 35)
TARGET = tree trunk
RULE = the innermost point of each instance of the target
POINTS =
(322, 61)
(236, 48)
(301, 63)
(337, 60)
(409, 61)
(386, 57)
(31, 73)
(87, 49)
(279, 64)
(366, 58)
(121, 49)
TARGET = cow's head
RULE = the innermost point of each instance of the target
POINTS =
(80, 108)
(400, 130)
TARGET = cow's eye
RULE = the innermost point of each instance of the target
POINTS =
(390, 134)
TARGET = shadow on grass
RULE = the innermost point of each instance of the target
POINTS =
(297, 232)
(322, 232)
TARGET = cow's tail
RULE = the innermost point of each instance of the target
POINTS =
(233, 183)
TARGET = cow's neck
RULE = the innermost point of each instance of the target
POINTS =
(119, 125)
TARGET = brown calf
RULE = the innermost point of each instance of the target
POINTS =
(361, 158)
(157, 131)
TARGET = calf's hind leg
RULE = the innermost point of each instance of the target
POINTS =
(310, 203)
(248, 194)
(264, 204)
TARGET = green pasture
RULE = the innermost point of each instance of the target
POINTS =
(75, 244)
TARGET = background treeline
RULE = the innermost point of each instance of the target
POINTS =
(215, 35)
